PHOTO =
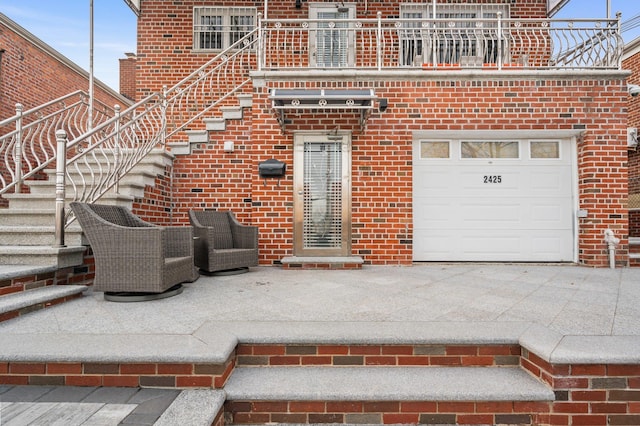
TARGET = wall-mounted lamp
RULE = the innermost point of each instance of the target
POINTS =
(382, 104)
(228, 146)
(298, 4)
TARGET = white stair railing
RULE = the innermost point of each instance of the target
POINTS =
(94, 162)
(27, 140)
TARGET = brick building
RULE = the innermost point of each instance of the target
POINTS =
(631, 62)
(32, 73)
(474, 136)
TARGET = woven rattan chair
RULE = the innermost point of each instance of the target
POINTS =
(223, 245)
(135, 260)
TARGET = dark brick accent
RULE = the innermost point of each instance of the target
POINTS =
(518, 419)
(301, 350)
(348, 360)
(439, 419)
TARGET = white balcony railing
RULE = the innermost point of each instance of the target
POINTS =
(385, 44)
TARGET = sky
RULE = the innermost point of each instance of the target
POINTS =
(64, 25)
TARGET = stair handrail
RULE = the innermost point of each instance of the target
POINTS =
(101, 157)
(27, 139)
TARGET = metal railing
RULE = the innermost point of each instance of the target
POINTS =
(384, 44)
(93, 163)
(28, 142)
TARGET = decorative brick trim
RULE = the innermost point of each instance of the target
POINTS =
(386, 412)
(384, 355)
(324, 266)
(166, 375)
(589, 394)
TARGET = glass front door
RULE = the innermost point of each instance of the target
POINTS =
(332, 37)
(322, 206)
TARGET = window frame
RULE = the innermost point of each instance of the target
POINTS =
(224, 32)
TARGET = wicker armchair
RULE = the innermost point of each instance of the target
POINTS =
(135, 260)
(223, 245)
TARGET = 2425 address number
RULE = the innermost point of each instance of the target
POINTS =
(492, 179)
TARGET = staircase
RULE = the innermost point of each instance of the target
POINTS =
(27, 226)
(385, 374)
(339, 373)
(131, 148)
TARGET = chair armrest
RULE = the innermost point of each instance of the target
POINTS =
(178, 241)
(244, 236)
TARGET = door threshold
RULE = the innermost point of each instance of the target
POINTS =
(322, 262)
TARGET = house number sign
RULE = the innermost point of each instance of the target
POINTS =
(492, 179)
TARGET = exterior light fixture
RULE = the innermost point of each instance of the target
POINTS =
(298, 4)
(382, 104)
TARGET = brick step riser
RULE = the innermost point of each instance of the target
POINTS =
(380, 355)
(387, 412)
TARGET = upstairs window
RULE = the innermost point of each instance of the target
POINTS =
(217, 28)
(463, 33)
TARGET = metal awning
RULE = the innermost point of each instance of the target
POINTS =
(322, 100)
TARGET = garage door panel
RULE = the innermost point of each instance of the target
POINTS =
(492, 211)
(526, 213)
(446, 246)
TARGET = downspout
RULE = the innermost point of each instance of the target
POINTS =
(612, 242)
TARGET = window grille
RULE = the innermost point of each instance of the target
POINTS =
(217, 28)
(322, 227)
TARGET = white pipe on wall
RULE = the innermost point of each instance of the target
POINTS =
(612, 243)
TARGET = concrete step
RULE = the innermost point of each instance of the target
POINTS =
(245, 100)
(215, 124)
(42, 255)
(15, 304)
(46, 202)
(27, 217)
(385, 384)
(377, 395)
(37, 235)
(133, 185)
(232, 112)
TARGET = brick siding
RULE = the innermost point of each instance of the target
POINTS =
(382, 211)
(128, 80)
(32, 76)
(632, 64)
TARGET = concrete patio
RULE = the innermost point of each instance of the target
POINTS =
(565, 313)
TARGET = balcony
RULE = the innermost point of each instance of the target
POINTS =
(439, 44)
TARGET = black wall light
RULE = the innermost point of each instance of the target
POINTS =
(298, 4)
(383, 104)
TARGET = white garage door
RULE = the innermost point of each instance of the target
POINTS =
(500, 200)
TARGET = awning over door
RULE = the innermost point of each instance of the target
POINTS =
(284, 100)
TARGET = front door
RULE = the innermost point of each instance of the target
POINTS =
(322, 195)
(332, 36)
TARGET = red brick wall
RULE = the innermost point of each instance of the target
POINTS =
(382, 213)
(165, 32)
(32, 76)
(633, 64)
(382, 155)
(128, 76)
